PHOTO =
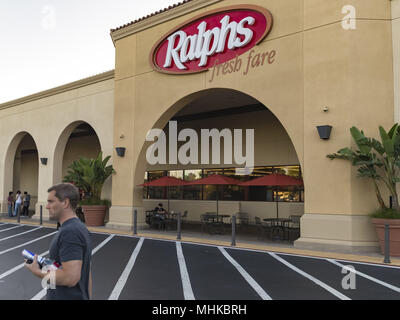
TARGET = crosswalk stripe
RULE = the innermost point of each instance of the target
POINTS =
(16, 268)
(10, 228)
(187, 287)
(310, 277)
(387, 285)
(260, 291)
(18, 234)
(26, 243)
(125, 274)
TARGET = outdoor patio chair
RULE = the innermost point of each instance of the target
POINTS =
(242, 218)
(184, 216)
(171, 223)
(157, 222)
(149, 214)
(263, 229)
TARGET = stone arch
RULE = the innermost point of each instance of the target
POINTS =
(60, 147)
(9, 162)
(169, 112)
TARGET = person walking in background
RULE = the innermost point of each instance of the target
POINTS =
(10, 202)
(18, 203)
(26, 202)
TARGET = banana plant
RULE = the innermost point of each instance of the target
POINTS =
(375, 156)
(364, 159)
(90, 175)
(389, 150)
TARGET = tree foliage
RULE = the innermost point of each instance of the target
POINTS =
(90, 175)
(377, 160)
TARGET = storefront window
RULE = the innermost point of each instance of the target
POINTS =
(175, 192)
(176, 174)
(192, 192)
(156, 192)
(293, 171)
(227, 192)
(210, 192)
(235, 193)
(191, 175)
(209, 172)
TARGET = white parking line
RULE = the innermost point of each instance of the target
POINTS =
(43, 292)
(187, 287)
(125, 274)
(10, 228)
(20, 266)
(310, 277)
(260, 291)
(26, 243)
(18, 234)
(387, 285)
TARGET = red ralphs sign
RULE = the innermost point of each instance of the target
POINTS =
(210, 39)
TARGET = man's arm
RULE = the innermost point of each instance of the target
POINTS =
(68, 275)
(90, 283)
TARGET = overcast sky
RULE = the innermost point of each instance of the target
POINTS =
(45, 44)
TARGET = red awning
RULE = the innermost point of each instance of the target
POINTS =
(215, 179)
(274, 179)
(165, 181)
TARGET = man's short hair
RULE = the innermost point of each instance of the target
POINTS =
(66, 191)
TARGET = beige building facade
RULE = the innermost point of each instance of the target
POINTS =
(333, 63)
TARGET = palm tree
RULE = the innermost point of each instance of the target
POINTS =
(90, 175)
(363, 158)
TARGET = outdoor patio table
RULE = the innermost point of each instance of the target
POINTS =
(214, 223)
(277, 225)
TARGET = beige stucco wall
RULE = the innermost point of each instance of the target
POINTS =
(395, 4)
(318, 64)
(89, 100)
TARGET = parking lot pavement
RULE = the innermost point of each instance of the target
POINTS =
(126, 267)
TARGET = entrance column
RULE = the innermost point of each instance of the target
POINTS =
(125, 197)
(338, 73)
(45, 182)
(7, 168)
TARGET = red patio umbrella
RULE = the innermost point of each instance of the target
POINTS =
(274, 180)
(165, 181)
(215, 179)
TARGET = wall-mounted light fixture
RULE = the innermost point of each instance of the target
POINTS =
(120, 151)
(324, 131)
(43, 161)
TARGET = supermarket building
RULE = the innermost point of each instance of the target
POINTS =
(309, 67)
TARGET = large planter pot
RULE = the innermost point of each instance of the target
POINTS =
(94, 215)
(394, 235)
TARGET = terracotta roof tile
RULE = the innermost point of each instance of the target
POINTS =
(151, 15)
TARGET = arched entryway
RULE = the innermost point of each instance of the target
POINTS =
(78, 140)
(22, 168)
(229, 112)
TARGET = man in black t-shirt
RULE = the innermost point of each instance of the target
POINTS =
(71, 248)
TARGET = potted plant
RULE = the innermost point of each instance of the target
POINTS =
(379, 161)
(89, 175)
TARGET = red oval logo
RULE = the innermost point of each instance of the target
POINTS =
(210, 39)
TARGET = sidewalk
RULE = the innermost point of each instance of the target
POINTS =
(242, 241)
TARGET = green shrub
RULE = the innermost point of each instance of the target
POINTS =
(95, 202)
(387, 213)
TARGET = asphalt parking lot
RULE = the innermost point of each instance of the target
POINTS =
(137, 268)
